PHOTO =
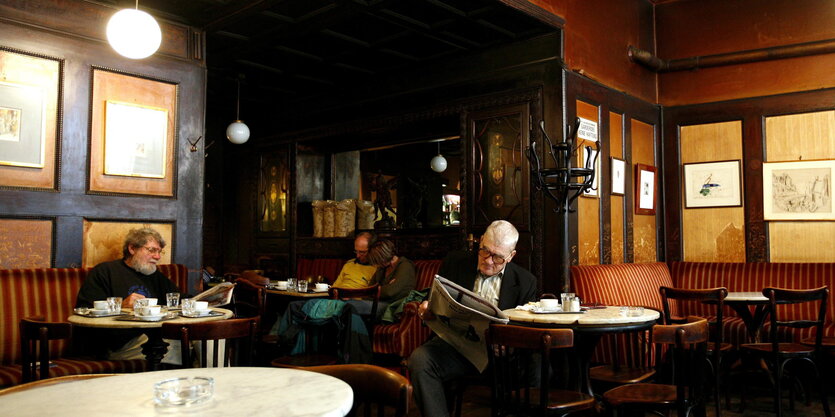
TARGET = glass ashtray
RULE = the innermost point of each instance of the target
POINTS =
(183, 391)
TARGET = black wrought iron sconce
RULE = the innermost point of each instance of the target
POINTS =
(563, 183)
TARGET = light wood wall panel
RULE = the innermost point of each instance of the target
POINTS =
(643, 226)
(588, 208)
(794, 137)
(616, 201)
(712, 234)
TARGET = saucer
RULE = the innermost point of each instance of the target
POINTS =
(157, 317)
(94, 312)
(199, 313)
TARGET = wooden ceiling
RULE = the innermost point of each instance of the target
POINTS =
(292, 54)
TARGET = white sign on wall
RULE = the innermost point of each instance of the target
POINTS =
(587, 130)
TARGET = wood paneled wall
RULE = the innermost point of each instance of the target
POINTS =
(616, 134)
(588, 207)
(644, 226)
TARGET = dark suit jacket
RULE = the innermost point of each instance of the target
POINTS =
(518, 285)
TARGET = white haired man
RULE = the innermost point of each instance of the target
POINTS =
(497, 280)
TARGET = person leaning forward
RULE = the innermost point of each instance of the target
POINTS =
(133, 277)
(497, 280)
(358, 273)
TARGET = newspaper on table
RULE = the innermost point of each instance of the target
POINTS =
(461, 317)
(219, 295)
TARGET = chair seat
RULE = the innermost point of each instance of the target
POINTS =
(827, 342)
(725, 347)
(305, 360)
(787, 349)
(565, 401)
(641, 394)
(621, 374)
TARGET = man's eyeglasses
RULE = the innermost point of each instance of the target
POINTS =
(497, 259)
(154, 251)
(360, 252)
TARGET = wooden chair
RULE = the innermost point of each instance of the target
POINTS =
(510, 351)
(51, 381)
(374, 388)
(779, 354)
(250, 300)
(686, 349)
(239, 336)
(716, 348)
(371, 293)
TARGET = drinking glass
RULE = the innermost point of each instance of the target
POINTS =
(302, 285)
(291, 284)
(114, 304)
(565, 300)
(139, 304)
(172, 299)
(189, 307)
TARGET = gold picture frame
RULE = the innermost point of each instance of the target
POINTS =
(30, 117)
(103, 239)
(133, 134)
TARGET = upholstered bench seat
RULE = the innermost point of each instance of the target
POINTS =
(13, 374)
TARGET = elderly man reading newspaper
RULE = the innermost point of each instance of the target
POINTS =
(497, 284)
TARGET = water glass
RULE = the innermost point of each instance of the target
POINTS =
(114, 304)
(189, 308)
(291, 284)
(301, 286)
(565, 300)
(172, 299)
(140, 304)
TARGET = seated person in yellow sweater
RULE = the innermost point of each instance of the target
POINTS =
(357, 272)
(396, 276)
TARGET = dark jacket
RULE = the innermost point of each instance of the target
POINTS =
(518, 285)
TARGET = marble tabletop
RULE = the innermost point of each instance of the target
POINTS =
(745, 296)
(593, 317)
(112, 323)
(237, 392)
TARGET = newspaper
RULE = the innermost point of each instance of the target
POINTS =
(461, 317)
(219, 295)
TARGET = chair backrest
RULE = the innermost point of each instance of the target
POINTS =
(371, 293)
(375, 388)
(51, 381)
(713, 296)
(685, 348)
(255, 278)
(239, 335)
(249, 299)
(782, 296)
(510, 353)
(35, 334)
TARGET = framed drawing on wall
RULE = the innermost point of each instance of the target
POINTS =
(133, 134)
(618, 167)
(29, 118)
(645, 186)
(27, 242)
(102, 239)
(712, 184)
(799, 190)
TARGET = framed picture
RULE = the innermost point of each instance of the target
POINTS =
(133, 135)
(589, 154)
(102, 239)
(618, 168)
(712, 184)
(800, 190)
(27, 242)
(29, 120)
(645, 186)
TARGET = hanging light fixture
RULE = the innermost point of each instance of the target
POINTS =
(438, 163)
(238, 131)
(133, 33)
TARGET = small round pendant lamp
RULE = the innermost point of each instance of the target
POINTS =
(133, 33)
(238, 132)
(438, 163)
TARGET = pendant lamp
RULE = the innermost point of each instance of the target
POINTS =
(238, 131)
(438, 163)
(133, 33)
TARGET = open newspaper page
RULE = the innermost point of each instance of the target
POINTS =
(219, 295)
(461, 318)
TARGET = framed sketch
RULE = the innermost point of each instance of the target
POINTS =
(645, 186)
(591, 154)
(800, 190)
(29, 120)
(27, 242)
(133, 125)
(712, 184)
(102, 239)
(618, 168)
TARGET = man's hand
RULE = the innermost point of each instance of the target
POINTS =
(423, 311)
(129, 300)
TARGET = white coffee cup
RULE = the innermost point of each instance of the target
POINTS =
(281, 285)
(101, 305)
(201, 305)
(152, 301)
(150, 311)
(321, 287)
(549, 304)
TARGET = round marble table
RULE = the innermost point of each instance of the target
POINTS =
(237, 392)
(155, 349)
(588, 328)
(741, 301)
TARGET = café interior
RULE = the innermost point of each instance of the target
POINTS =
(668, 162)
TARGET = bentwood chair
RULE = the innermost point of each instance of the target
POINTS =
(250, 300)
(51, 381)
(375, 388)
(685, 348)
(714, 299)
(779, 354)
(512, 355)
(231, 341)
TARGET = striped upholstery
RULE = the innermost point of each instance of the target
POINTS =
(405, 336)
(326, 267)
(755, 277)
(49, 293)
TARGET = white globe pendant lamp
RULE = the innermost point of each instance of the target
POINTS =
(438, 163)
(238, 132)
(133, 33)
